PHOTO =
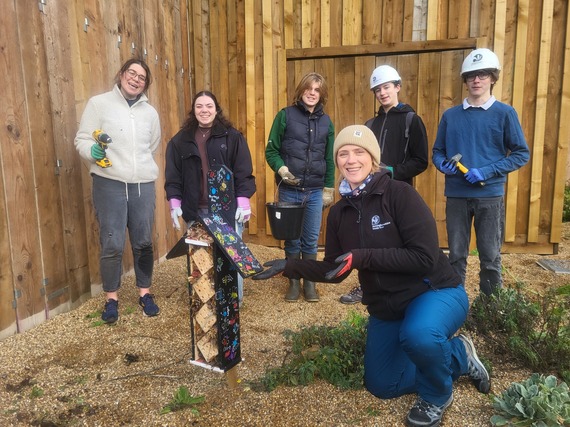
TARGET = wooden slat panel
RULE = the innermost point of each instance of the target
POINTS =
(563, 139)
(392, 27)
(451, 93)
(371, 22)
(352, 22)
(552, 114)
(458, 19)
(538, 145)
(306, 24)
(408, 21)
(10, 58)
(17, 158)
(519, 73)
(428, 90)
(335, 22)
(53, 243)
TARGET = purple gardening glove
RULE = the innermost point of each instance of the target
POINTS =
(175, 212)
(243, 211)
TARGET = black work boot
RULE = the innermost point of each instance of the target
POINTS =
(292, 294)
(309, 288)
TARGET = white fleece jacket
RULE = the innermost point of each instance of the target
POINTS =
(135, 132)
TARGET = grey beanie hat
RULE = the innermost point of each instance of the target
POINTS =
(357, 135)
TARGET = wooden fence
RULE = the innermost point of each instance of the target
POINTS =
(57, 54)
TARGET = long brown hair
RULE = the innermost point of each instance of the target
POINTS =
(192, 122)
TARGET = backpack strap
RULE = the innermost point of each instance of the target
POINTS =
(409, 117)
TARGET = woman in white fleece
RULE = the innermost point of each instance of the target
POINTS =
(123, 192)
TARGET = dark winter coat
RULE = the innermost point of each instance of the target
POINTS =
(393, 239)
(183, 174)
(407, 156)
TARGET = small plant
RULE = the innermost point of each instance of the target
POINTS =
(539, 402)
(36, 392)
(182, 399)
(335, 354)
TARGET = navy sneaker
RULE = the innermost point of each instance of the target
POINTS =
(111, 312)
(148, 305)
(425, 414)
(477, 371)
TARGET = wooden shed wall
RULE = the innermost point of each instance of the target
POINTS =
(250, 53)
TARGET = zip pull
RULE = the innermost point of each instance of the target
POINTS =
(429, 285)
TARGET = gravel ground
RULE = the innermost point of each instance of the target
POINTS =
(71, 371)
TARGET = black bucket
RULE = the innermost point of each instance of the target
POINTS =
(286, 219)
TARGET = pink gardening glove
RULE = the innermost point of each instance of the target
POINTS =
(175, 212)
(243, 211)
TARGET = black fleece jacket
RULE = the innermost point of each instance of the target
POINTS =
(183, 172)
(408, 157)
(393, 238)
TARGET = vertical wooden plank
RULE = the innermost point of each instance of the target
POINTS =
(185, 38)
(408, 20)
(372, 22)
(352, 22)
(288, 29)
(17, 157)
(198, 50)
(315, 23)
(563, 139)
(306, 18)
(419, 31)
(554, 101)
(458, 19)
(344, 82)
(221, 73)
(429, 89)
(336, 19)
(520, 54)
(432, 19)
(365, 108)
(51, 238)
(392, 28)
(9, 60)
(499, 41)
(538, 146)
(451, 93)
(325, 23)
(215, 47)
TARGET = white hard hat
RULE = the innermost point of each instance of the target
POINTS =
(480, 59)
(383, 74)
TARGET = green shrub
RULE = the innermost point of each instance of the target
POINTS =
(536, 332)
(539, 401)
(334, 354)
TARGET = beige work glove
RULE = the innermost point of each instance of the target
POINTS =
(287, 177)
(328, 197)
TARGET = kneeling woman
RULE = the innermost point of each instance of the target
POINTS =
(384, 229)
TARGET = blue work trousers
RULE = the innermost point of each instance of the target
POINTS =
(417, 354)
(313, 200)
(120, 206)
(488, 217)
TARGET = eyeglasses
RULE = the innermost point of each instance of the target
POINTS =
(483, 75)
(133, 74)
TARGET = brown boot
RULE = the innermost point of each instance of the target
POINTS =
(292, 294)
(309, 288)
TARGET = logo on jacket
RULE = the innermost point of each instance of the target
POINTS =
(376, 224)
